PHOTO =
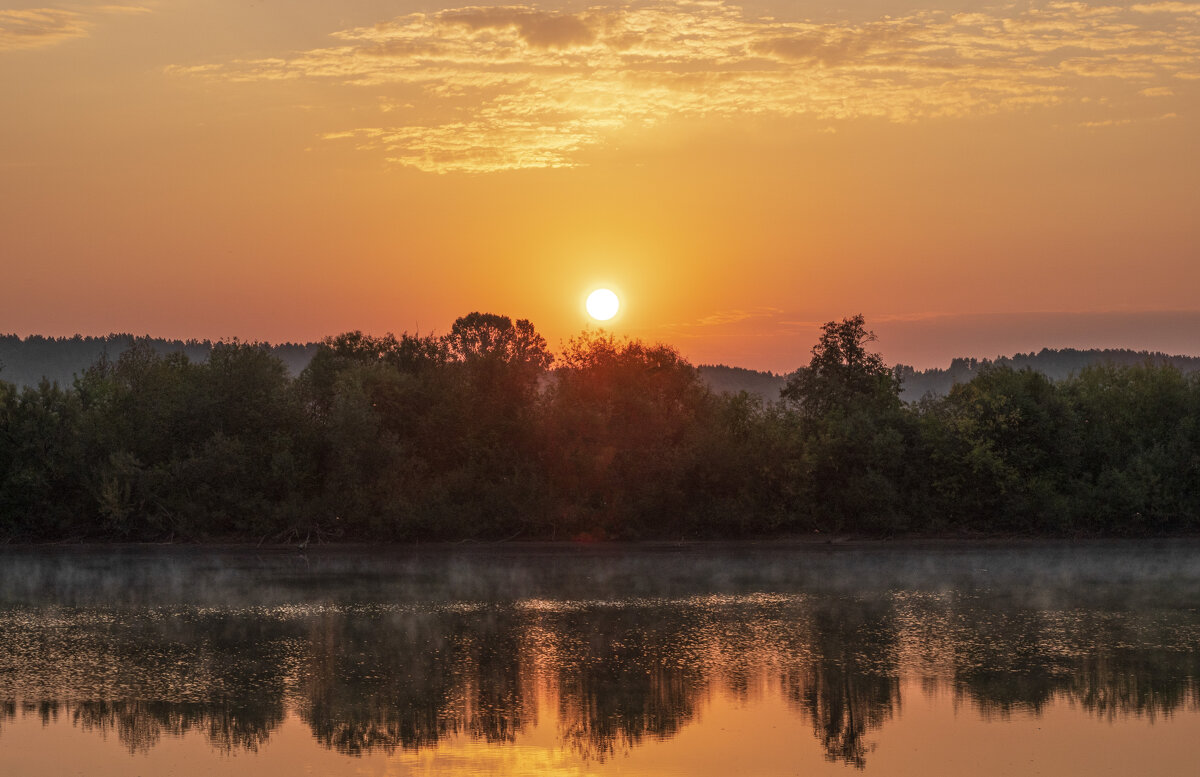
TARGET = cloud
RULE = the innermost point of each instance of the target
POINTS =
(39, 27)
(539, 29)
(1123, 122)
(760, 321)
(833, 47)
(1168, 7)
(122, 9)
(509, 87)
(471, 146)
(735, 315)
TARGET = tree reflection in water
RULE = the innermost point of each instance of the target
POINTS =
(851, 684)
(372, 674)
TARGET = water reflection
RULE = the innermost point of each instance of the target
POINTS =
(379, 653)
(851, 685)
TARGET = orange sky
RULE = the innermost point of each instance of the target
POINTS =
(975, 178)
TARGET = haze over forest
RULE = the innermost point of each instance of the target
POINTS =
(26, 361)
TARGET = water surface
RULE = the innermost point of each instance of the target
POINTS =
(751, 659)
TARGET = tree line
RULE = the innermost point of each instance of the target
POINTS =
(1054, 363)
(483, 433)
(26, 361)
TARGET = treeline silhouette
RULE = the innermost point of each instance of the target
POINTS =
(27, 361)
(382, 673)
(1055, 363)
(30, 360)
(484, 434)
(732, 380)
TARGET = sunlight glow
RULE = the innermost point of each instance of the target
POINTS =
(602, 304)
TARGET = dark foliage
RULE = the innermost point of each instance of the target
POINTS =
(27, 361)
(481, 434)
(1054, 363)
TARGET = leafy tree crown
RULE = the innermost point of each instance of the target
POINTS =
(842, 372)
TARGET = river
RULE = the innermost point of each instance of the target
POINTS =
(758, 659)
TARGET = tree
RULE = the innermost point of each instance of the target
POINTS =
(854, 432)
(1001, 449)
(350, 351)
(489, 478)
(492, 343)
(621, 418)
(842, 372)
(42, 493)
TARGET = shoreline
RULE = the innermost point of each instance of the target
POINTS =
(930, 542)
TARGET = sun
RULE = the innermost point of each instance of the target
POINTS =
(603, 304)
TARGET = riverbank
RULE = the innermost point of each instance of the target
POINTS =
(804, 542)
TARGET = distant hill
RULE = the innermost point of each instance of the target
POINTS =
(721, 378)
(1054, 364)
(25, 361)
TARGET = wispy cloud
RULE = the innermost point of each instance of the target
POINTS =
(38, 27)
(121, 9)
(1123, 122)
(736, 320)
(518, 86)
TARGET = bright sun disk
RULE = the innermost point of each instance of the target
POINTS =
(602, 304)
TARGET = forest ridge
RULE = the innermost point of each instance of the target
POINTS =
(473, 435)
(27, 361)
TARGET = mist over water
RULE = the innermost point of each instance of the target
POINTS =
(590, 652)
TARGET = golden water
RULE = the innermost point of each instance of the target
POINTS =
(759, 660)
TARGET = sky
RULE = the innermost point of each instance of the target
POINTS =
(975, 178)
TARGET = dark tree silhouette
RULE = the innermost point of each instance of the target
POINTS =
(842, 372)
